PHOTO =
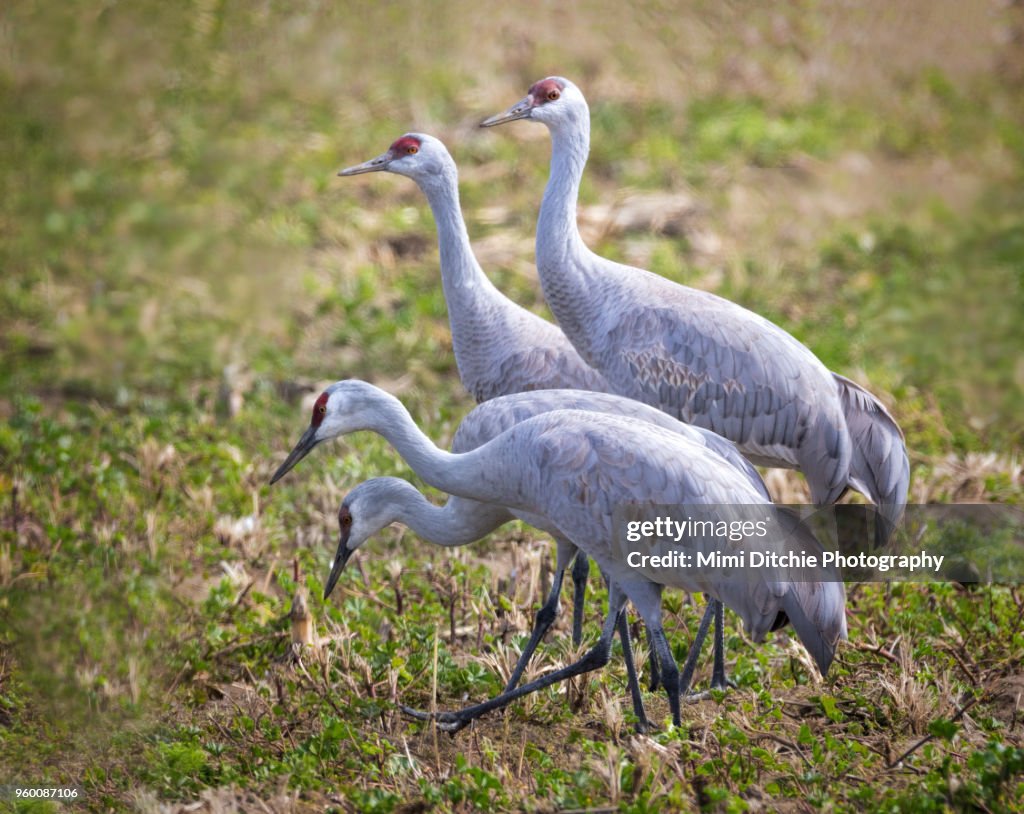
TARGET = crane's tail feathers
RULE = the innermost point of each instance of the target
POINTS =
(817, 611)
(879, 468)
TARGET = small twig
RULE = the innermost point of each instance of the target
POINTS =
(971, 675)
(1020, 614)
(241, 596)
(783, 742)
(327, 695)
(877, 650)
(960, 714)
(14, 509)
(433, 705)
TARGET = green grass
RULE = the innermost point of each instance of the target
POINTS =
(181, 266)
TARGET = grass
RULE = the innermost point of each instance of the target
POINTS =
(182, 270)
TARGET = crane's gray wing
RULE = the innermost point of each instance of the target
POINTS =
(589, 465)
(530, 367)
(744, 379)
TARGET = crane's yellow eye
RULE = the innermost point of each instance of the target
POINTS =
(412, 150)
(553, 95)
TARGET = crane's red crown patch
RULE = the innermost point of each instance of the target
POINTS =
(406, 145)
(319, 410)
(540, 90)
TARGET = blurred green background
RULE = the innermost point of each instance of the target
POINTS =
(181, 268)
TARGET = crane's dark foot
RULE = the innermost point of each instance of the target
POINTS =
(450, 722)
(418, 714)
(706, 695)
(724, 685)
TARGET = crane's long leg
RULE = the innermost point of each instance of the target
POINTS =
(686, 677)
(646, 597)
(549, 612)
(544, 619)
(719, 679)
(632, 679)
(653, 657)
(596, 657)
(580, 573)
(642, 724)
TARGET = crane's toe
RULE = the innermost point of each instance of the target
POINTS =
(418, 714)
(450, 722)
(709, 693)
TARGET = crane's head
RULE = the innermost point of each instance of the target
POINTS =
(415, 155)
(551, 101)
(370, 507)
(346, 406)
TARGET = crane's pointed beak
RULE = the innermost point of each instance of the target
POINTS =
(522, 109)
(378, 164)
(340, 561)
(302, 449)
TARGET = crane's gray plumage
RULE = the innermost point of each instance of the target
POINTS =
(574, 468)
(697, 356)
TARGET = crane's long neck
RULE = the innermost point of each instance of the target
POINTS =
(458, 522)
(466, 287)
(565, 266)
(558, 237)
(464, 475)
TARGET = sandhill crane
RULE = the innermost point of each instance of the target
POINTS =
(463, 521)
(575, 468)
(701, 358)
